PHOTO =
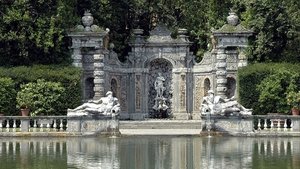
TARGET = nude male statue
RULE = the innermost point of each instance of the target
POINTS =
(159, 85)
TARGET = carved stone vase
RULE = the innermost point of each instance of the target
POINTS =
(87, 20)
(232, 19)
(295, 111)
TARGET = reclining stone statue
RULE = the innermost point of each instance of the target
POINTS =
(215, 105)
(108, 105)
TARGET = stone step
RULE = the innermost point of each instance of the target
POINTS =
(161, 124)
(173, 132)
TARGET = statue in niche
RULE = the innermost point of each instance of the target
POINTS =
(160, 101)
(108, 105)
(215, 105)
(159, 86)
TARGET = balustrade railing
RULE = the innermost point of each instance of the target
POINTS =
(276, 122)
(33, 124)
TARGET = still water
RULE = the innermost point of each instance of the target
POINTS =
(151, 152)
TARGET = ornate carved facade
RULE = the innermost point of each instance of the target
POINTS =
(186, 81)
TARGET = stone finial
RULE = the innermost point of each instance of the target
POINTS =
(232, 19)
(182, 34)
(87, 20)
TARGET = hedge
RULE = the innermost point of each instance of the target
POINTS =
(68, 76)
(250, 77)
(7, 96)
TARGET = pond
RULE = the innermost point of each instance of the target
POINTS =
(149, 152)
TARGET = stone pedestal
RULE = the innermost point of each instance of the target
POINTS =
(25, 125)
(93, 125)
(296, 124)
(233, 125)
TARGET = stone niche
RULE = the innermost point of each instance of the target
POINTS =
(186, 81)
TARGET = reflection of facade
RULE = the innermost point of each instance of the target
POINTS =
(160, 153)
(186, 81)
(93, 153)
(150, 152)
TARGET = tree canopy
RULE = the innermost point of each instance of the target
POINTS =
(34, 31)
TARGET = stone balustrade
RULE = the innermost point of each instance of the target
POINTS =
(58, 125)
(276, 123)
(256, 125)
(33, 124)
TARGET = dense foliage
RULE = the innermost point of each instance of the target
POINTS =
(36, 31)
(265, 87)
(33, 32)
(41, 97)
(69, 77)
(276, 26)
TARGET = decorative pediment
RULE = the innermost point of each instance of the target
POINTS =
(160, 34)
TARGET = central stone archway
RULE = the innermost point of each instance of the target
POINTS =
(164, 67)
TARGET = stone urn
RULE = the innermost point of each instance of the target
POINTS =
(87, 20)
(232, 19)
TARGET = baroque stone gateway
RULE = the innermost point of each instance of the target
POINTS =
(160, 72)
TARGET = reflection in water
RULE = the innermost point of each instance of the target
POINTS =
(150, 152)
(34, 153)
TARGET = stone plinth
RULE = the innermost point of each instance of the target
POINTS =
(93, 125)
(233, 125)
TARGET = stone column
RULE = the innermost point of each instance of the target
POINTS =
(77, 57)
(98, 76)
(221, 73)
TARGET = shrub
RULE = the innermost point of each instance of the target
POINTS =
(293, 99)
(250, 77)
(40, 97)
(273, 91)
(7, 96)
(68, 76)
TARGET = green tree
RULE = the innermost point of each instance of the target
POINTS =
(271, 21)
(32, 32)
